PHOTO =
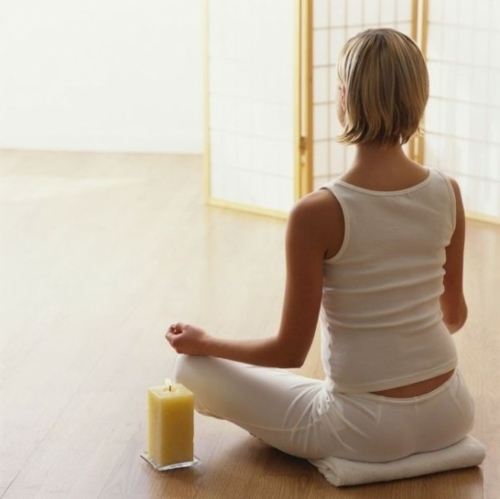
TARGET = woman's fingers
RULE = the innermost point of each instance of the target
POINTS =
(176, 328)
(173, 332)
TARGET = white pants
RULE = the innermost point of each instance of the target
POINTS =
(299, 416)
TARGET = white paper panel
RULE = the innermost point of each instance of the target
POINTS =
(462, 122)
(251, 102)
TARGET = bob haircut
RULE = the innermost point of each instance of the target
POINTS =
(386, 87)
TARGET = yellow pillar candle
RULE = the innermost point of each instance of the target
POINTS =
(171, 424)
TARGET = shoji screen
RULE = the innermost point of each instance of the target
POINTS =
(334, 21)
(462, 123)
(250, 100)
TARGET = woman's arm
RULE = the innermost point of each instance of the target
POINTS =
(453, 302)
(306, 246)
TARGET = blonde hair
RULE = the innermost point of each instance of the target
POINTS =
(386, 86)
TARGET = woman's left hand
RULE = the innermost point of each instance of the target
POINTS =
(187, 339)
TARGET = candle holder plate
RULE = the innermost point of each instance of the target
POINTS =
(169, 467)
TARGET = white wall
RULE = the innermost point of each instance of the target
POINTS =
(101, 75)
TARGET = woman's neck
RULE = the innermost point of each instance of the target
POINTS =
(383, 168)
(374, 156)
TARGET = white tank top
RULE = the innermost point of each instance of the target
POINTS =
(381, 319)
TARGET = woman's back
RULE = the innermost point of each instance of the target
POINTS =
(381, 315)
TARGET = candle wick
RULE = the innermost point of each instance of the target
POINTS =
(169, 388)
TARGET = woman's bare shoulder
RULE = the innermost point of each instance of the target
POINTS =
(315, 202)
(319, 214)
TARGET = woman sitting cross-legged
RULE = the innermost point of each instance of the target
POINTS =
(377, 256)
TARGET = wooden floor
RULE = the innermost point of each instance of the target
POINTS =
(99, 253)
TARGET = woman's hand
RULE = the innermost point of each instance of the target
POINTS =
(186, 339)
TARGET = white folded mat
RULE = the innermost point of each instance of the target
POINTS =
(341, 472)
